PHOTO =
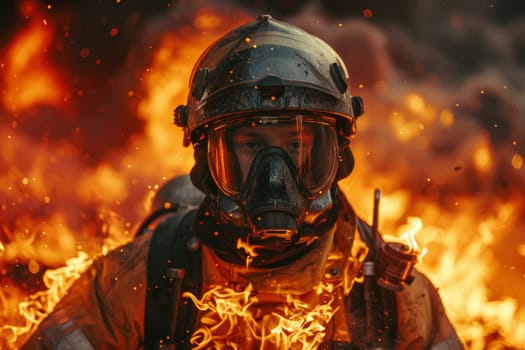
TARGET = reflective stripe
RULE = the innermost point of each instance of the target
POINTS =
(74, 341)
(451, 342)
(62, 333)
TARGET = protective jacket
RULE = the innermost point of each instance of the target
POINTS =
(105, 308)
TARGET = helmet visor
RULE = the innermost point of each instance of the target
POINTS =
(310, 142)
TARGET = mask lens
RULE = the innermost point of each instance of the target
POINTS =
(309, 142)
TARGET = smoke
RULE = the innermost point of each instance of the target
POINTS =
(456, 59)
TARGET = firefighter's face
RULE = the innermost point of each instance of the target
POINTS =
(307, 146)
(249, 141)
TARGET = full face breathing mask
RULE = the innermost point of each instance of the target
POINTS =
(274, 176)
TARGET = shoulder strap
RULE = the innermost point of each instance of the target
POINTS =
(174, 266)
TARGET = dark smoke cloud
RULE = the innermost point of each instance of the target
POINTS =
(362, 46)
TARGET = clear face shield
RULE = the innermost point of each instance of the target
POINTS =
(277, 169)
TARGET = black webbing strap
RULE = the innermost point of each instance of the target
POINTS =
(169, 252)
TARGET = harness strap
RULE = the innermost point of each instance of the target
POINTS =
(174, 266)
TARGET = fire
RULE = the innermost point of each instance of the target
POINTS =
(472, 232)
(407, 235)
(235, 319)
(249, 249)
(410, 121)
(28, 79)
(458, 235)
(167, 83)
(37, 306)
(102, 197)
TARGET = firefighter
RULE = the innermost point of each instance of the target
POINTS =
(270, 118)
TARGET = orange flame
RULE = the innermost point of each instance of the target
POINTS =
(28, 79)
(237, 320)
(37, 306)
(249, 249)
(408, 236)
(460, 234)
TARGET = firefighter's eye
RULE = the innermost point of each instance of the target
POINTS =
(250, 146)
(295, 146)
(300, 144)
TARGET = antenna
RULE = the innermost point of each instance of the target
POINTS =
(375, 220)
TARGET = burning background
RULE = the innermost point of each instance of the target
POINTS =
(87, 93)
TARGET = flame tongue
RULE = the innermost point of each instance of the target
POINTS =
(246, 320)
(37, 306)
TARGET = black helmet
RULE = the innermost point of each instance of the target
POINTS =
(277, 81)
(268, 66)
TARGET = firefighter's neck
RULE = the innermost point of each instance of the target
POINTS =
(298, 277)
